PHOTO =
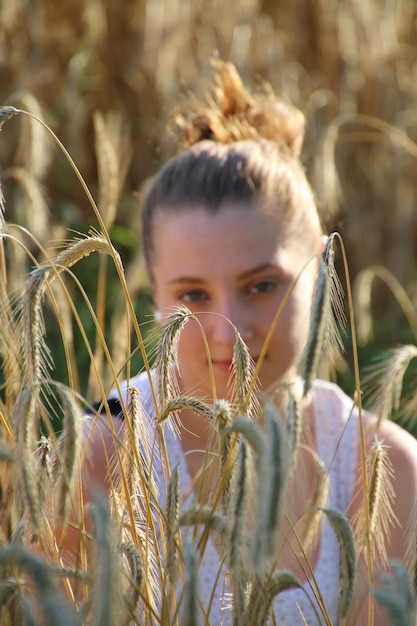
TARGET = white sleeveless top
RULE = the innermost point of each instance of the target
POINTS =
(336, 425)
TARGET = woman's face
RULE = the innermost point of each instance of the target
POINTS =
(238, 264)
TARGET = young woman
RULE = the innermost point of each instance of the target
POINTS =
(231, 231)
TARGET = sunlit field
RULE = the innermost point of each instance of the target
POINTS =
(85, 92)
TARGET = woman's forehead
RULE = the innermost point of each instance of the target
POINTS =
(236, 240)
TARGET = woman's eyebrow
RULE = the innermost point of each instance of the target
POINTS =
(186, 279)
(259, 269)
(265, 267)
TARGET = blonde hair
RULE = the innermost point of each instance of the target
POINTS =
(237, 148)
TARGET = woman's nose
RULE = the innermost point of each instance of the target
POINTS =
(230, 315)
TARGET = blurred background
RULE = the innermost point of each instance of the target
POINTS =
(104, 74)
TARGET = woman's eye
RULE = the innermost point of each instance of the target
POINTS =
(263, 286)
(194, 295)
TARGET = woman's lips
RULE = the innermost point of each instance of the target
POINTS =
(227, 365)
(223, 366)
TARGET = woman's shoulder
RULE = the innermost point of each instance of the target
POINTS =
(400, 445)
(337, 403)
(332, 403)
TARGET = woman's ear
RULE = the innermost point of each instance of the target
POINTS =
(323, 241)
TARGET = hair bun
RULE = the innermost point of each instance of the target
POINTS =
(232, 113)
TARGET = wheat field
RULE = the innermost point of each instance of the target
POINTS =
(85, 88)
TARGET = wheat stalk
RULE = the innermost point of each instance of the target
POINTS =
(318, 323)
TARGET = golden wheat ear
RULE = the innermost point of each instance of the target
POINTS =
(167, 353)
(381, 495)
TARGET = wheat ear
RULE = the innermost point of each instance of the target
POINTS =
(135, 579)
(317, 326)
(243, 370)
(132, 436)
(396, 596)
(348, 558)
(70, 450)
(251, 431)
(222, 419)
(25, 415)
(238, 555)
(36, 353)
(272, 477)
(293, 428)
(167, 352)
(190, 598)
(113, 157)
(390, 375)
(272, 586)
(203, 514)
(178, 403)
(54, 607)
(103, 608)
(381, 497)
(172, 521)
